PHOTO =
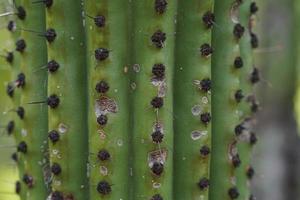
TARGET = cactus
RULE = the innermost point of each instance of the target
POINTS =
(145, 99)
(108, 113)
(66, 99)
(249, 76)
(193, 109)
(33, 131)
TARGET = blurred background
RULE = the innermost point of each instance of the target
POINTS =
(276, 157)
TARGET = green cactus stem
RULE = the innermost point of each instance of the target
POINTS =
(153, 63)
(245, 172)
(192, 99)
(67, 99)
(34, 125)
(107, 24)
(14, 93)
(225, 84)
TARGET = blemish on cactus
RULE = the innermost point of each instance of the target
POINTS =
(103, 155)
(238, 31)
(233, 193)
(22, 147)
(101, 54)
(157, 168)
(53, 136)
(203, 184)
(104, 188)
(102, 87)
(208, 19)
(196, 134)
(160, 6)
(105, 105)
(206, 50)
(53, 101)
(20, 45)
(157, 156)
(55, 169)
(158, 38)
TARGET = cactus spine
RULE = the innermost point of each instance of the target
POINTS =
(107, 55)
(34, 132)
(192, 99)
(67, 100)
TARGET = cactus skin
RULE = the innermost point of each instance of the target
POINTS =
(128, 35)
(15, 101)
(69, 84)
(190, 165)
(145, 54)
(224, 107)
(245, 147)
(114, 135)
(31, 59)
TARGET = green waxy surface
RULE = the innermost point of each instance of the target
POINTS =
(69, 84)
(34, 126)
(113, 136)
(225, 82)
(145, 23)
(190, 101)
